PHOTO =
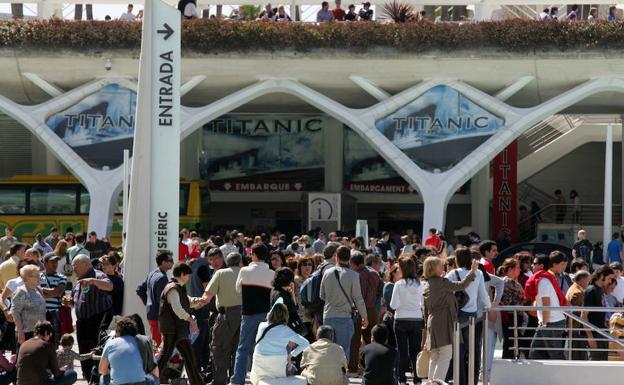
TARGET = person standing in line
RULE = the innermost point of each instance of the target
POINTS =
(560, 204)
(7, 241)
(615, 250)
(254, 283)
(618, 293)
(78, 248)
(8, 268)
(53, 288)
(441, 312)
(551, 323)
(489, 252)
(203, 270)
(175, 321)
(92, 302)
(340, 289)
(226, 329)
(582, 248)
(371, 285)
(576, 297)
(53, 238)
(478, 299)
(151, 289)
(407, 302)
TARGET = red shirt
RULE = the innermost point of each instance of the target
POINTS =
(183, 252)
(489, 266)
(339, 13)
(433, 241)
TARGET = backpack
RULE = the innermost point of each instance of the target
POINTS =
(584, 252)
(311, 289)
(461, 296)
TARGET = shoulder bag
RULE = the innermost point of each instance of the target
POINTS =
(461, 296)
(354, 311)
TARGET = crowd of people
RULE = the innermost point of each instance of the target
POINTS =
(324, 307)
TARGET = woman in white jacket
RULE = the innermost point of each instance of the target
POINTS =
(407, 302)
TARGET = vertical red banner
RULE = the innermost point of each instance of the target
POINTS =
(505, 192)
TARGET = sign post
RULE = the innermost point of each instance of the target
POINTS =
(505, 192)
(324, 211)
(153, 209)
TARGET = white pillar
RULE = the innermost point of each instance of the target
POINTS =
(480, 202)
(102, 208)
(126, 194)
(434, 215)
(608, 187)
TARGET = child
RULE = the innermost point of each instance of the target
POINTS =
(66, 356)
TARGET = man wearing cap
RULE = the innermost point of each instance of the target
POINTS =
(366, 14)
(53, 287)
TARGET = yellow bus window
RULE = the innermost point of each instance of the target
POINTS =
(53, 200)
(12, 200)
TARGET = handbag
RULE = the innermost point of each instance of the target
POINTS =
(422, 364)
(354, 311)
(461, 296)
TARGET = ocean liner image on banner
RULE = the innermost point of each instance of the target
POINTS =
(439, 128)
(277, 153)
(100, 126)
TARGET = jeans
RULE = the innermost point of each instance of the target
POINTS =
(225, 334)
(248, 331)
(492, 337)
(149, 380)
(464, 349)
(343, 331)
(439, 360)
(67, 378)
(408, 334)
(557, 344)
(201, 345)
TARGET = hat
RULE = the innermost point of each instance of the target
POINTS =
(51, 257)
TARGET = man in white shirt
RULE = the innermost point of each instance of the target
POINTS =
(128, 16)
(478, 301)
(551, 323)
(78, 248)
(618, 292)
(228, 247)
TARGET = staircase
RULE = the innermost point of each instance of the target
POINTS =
(547, 131)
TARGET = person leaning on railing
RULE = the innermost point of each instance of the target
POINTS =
(440, 313)
(594, 298)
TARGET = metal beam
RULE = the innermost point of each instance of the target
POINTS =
(373, 89)
(514, 88)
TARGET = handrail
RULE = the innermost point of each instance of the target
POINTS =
(559, 308)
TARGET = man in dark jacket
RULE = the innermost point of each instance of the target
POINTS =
(175, 319)
(379, 359)
(151, 289)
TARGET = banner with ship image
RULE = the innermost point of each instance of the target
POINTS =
(99, 127)
(263, 153)
(366, 171)
(440, 128)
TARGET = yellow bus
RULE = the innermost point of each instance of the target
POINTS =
(36, 204)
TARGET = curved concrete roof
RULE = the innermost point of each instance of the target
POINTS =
(328, 72)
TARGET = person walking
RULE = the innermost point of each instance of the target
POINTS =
(254, 283)
(175, 320)
(150, 290)
(340, 289)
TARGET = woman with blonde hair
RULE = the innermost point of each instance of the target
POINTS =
(440, 313)
(27, 304)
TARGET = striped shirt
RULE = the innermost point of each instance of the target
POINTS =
(89, 300)
(52, 281)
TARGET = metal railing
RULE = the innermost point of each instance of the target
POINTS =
(576, 329)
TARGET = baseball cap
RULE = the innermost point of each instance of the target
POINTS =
(51, 257)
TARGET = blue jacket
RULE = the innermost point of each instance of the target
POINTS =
(150, 290)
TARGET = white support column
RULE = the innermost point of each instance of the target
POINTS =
(608, 187)
(434, 215)
(102, 208)
(333, 133)
(622, 176)
(480, 202)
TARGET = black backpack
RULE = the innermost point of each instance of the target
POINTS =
(461, 296)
